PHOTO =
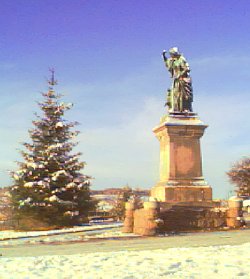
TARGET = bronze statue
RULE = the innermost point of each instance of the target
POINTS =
(180, 96)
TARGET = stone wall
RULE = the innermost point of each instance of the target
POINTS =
(182, 218)
(158, 217)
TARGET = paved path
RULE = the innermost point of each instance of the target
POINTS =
(140, 243)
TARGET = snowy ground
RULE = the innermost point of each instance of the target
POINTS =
(70, 237)
(79, 233)
(227, 261)
(196, 262)
(11, 234)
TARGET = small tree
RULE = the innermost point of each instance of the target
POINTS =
(240, 176)
(49, 186)
(125, 195)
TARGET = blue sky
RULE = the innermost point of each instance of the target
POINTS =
(107, 56)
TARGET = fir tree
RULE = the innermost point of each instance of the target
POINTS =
(240, 176)
(49, 185)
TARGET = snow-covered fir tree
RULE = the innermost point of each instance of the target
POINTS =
(49, 185)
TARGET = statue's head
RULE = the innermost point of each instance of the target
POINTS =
(174, 51)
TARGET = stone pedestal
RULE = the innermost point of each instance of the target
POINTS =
(128, 224)
(234, 212)
(181, 177)
(145, 219)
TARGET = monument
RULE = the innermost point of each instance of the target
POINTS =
(179, 133)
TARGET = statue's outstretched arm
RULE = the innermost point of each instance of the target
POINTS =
(164, 55)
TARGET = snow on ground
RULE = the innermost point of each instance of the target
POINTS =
(11, 234)
(196, 262)
(105, 231)
(193, 262)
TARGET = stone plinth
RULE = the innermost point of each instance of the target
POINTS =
(181, 178)
(128, 225)
(145, 219)
(234, 212)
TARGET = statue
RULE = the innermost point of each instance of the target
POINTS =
(180, 96)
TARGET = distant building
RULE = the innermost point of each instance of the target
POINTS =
(107, 198)
(118, 191)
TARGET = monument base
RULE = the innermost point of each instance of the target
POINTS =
(181, 179)
(177, 194)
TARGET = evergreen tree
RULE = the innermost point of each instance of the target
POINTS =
(240, 176)
(49, 185)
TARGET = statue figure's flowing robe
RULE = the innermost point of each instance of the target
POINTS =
(181, 93)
